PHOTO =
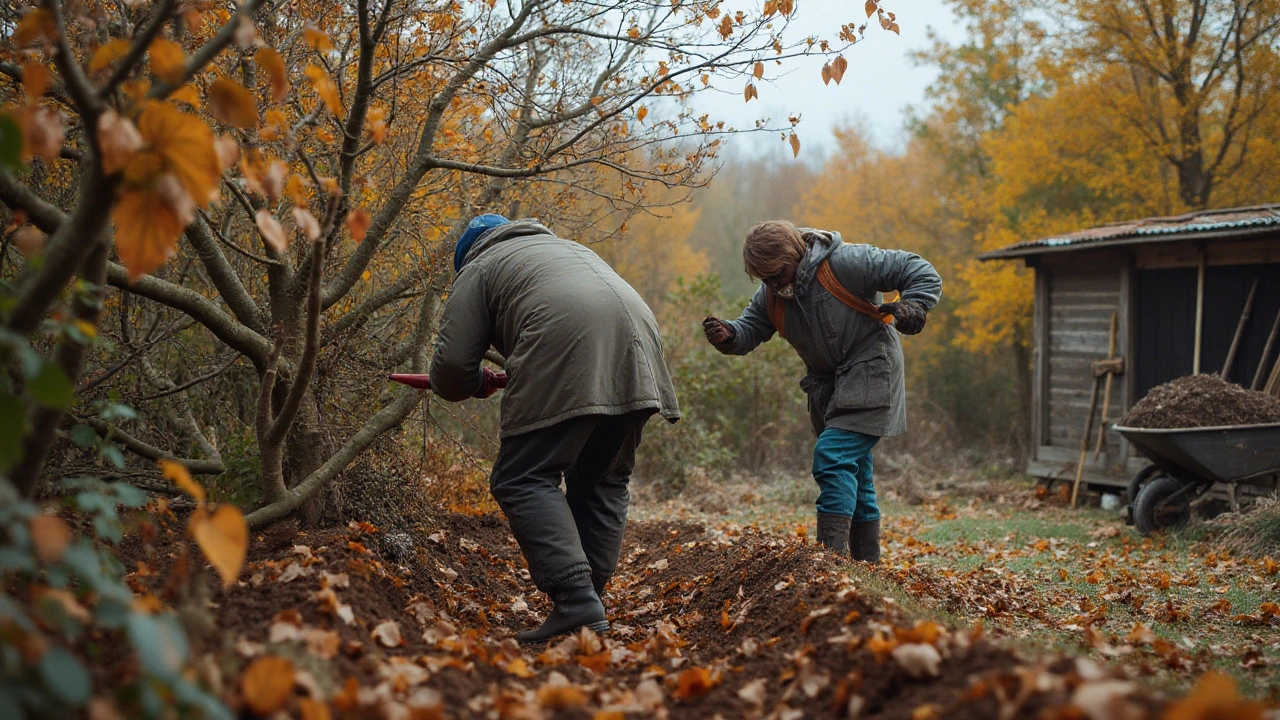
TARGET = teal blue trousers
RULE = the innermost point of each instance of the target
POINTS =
(843, 469)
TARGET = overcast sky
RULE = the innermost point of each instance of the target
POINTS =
(879, 85)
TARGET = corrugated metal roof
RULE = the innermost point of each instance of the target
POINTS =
(1214, 223)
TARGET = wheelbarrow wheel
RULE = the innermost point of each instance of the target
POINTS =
(1153, 511)
(1135, 486)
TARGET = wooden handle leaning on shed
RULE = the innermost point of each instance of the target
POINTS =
(1107, 370)
(1108, 367)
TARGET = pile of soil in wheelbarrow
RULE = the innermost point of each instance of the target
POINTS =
(1202, 401)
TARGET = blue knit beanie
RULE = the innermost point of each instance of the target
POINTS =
(478, 226)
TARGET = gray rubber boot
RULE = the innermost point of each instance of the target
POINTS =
(833, 532)
(864, 541)
(573, 608)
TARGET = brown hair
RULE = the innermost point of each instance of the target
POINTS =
(769, 246)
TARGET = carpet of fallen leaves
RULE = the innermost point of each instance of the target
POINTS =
(712, 620)
(1169, 608)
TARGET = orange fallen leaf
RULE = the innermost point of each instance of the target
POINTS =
(224, 539)
(51, 536)
(1215, 696)
(597, 663)
(694, 683)
(519, 668)
(313, 709)
(346, 699)
(561, 697)
(267, 684)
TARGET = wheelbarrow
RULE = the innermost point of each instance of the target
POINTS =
(1187, 462)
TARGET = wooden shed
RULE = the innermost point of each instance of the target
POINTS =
(1159, 275)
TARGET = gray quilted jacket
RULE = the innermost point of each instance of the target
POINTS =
(578, 340)
(855, 367)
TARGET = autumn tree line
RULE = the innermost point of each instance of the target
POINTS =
(224, 224)
(1048, 117)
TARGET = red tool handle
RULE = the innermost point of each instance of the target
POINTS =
(422, 382)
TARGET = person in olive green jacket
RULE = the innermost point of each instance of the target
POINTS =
(586, 370)
(825, 296)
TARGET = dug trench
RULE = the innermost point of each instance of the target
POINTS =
(726, 622)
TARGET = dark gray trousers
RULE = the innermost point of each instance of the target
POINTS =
(571, 536)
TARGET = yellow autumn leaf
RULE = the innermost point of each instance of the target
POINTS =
(641, 113)
(108, 53)
(758, 70)
(232, 103)
(224, 539)
(749, 92)
(296, 190)
(325, 88)
(176, 473)
(366, 275)
(168, 62)
(271, 62)
(148, 224)
(870, 7)
(187, 94)
(795, 145)
(267, 684)
(317, 39)
(86, 328)
(826, 74)
(377, 121)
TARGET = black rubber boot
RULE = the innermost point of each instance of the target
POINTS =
(599, 583)
(864, 541)
(574, 607)
(833, 532)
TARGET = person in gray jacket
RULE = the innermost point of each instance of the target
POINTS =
(586, 370)
(824, 297)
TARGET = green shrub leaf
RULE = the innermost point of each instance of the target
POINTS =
(65, 677)
(162, 648)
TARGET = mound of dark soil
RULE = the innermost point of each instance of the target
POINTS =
(727, 622)
(1202, 401)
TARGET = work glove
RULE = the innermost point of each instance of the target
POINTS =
(718, 332)
(908, 315)
(491, 383)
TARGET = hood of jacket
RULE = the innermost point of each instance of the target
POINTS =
(502, 233)
(821, 244)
